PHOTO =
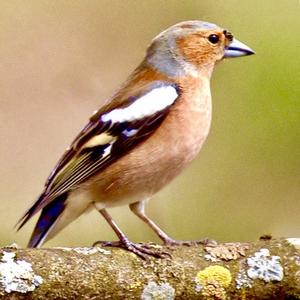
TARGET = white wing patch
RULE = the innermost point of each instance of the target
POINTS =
(130, 132)
(154, 101)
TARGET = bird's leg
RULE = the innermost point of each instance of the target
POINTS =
(138, 208)
(124, 241)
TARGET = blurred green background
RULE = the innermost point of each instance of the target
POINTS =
(59, 60)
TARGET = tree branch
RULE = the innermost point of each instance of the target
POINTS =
(267, 269)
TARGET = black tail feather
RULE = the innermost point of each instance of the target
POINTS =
(47, 219)
(29, 213)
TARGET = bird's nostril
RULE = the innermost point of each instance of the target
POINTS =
(228, 35)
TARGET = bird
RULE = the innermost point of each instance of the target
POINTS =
(143, 136)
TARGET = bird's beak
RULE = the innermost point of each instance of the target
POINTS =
(236, 49)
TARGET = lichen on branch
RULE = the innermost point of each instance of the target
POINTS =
(265, 269)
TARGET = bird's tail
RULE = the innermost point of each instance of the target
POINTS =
(47, 220)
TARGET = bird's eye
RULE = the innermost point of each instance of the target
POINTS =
(213, 38)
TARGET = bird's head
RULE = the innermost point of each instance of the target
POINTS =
(191, 46)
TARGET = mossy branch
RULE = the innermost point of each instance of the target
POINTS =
(267, 269)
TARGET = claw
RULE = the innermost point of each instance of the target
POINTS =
(141, 250)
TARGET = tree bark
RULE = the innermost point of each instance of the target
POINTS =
(266, 269)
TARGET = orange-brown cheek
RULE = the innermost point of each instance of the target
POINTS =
(220, 54)
(194, 51)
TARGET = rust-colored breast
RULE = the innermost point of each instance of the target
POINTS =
(155, 162)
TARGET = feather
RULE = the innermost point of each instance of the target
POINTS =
(47, 220)
(105, 139)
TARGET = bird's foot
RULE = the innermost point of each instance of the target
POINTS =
(141, 250)
(204, 242)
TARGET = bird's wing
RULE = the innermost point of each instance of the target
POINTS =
(109, 135)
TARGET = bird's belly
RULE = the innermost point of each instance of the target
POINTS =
(153, 164)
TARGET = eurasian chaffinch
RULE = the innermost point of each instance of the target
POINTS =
(142, 138)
